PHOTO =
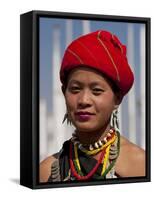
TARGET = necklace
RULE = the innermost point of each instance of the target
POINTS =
(104, 159)
(97, 146)
(91, 173)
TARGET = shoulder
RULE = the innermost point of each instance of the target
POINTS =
(131, 160)
(45, 168)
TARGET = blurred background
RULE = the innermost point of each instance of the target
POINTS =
(54, 35)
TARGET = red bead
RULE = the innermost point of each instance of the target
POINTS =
(91, 173)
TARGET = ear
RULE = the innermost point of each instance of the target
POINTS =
(118, 100)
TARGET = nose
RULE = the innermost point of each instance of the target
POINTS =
(84, 99)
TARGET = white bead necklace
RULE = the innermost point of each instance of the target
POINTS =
(91, 147)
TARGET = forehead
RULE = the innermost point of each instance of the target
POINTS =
(86, 75)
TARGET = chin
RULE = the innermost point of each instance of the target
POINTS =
(85, 128)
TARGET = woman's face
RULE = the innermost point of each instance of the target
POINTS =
(89, 100)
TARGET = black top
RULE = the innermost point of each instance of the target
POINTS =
(61, 163)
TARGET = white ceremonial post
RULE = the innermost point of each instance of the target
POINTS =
(69, 31)
(86, 26)
(43, 130)
(131, 95)
(58, 101)
(68, 129)
(142, 80)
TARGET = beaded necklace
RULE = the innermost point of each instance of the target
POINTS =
(96, 145)
(104, 158)
(95, 151)
(78, 173)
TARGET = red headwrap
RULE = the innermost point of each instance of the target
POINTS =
(102, 51)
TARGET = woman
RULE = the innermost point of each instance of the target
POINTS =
(95, 77)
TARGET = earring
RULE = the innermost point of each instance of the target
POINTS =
(66, 117)
(114, 122)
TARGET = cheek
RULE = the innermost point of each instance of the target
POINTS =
(70, 102)
(105, 103)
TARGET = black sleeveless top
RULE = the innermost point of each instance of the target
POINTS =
(60, 169)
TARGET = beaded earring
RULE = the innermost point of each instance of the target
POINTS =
(114, 122)
(67, 119)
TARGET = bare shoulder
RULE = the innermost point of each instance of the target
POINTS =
(45, 168)
(131, 160)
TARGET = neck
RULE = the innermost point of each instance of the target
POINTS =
(92, 136)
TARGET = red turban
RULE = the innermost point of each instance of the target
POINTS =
(102, 51)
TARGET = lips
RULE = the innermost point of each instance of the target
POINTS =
(83, 116)
(84, 113)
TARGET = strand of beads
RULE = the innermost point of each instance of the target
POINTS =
(113, 155)
(95, 151)
(97, 146)
(104, 158)
(91, 173)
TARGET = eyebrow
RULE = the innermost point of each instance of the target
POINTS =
(94, 83)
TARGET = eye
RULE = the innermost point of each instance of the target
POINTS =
(74, 89)
(97, 91)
